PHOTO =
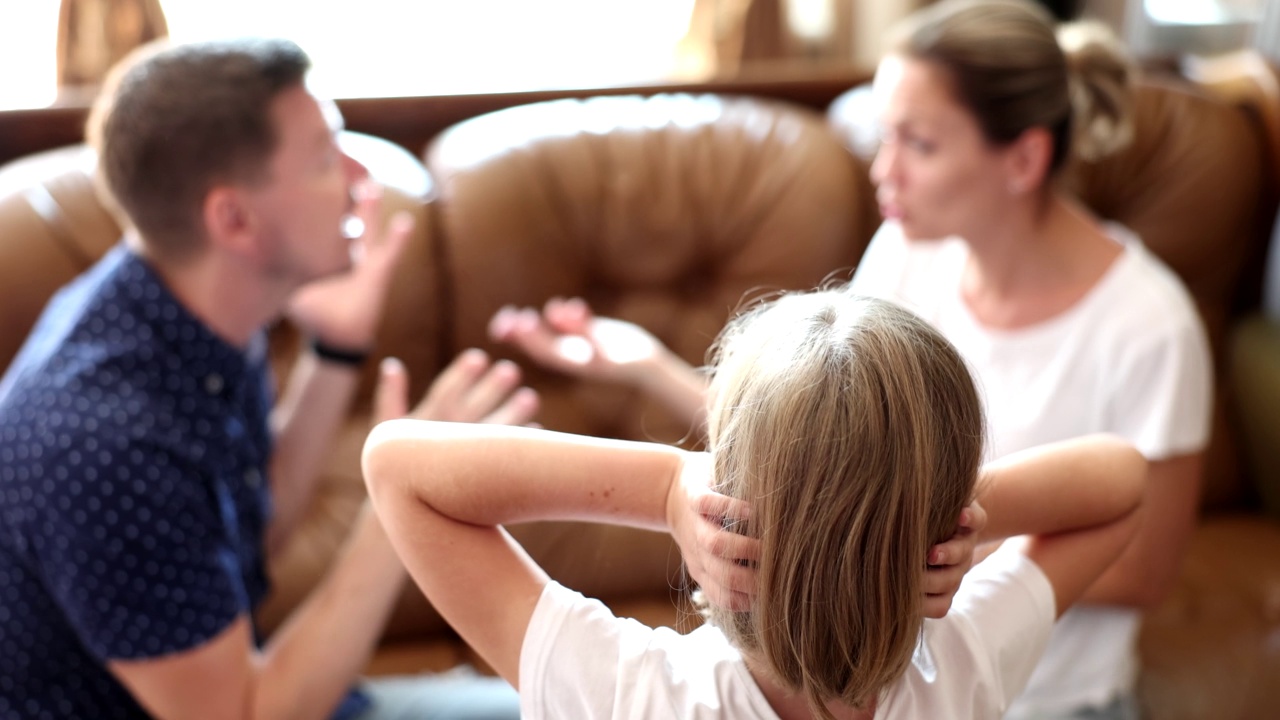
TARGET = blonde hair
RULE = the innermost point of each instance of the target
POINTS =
(854, 430)
(1014, 69)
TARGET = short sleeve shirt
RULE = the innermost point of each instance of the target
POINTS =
(580, 661)
(1130, 357)
(133, 496)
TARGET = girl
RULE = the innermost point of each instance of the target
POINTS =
(853, 432)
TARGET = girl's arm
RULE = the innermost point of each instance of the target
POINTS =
(442, 490)
(1078, 501)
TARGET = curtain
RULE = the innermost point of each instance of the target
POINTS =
(727, 37)
(713, 44)
(1267, 35)
(94, 34)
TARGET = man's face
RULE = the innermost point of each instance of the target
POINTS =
(307, 194)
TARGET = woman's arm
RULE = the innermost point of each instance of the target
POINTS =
(443, 489)
(566, 336)
(1145, 573)
(1078, 501)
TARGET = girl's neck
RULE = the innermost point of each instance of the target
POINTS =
(1034, 264)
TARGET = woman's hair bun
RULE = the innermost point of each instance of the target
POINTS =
(1101, 84)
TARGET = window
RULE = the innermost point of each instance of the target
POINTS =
(1170, 28)
(28, 36)
(402, 47)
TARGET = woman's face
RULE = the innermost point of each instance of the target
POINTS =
(935, 172)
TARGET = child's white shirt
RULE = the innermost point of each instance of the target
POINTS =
(580, 661)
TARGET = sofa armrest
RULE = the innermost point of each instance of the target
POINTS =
(1255, 382)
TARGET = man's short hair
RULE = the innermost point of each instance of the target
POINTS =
(175, 123)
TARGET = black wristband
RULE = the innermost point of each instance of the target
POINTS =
(338, 356)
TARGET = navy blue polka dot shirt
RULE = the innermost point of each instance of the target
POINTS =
(133, 499)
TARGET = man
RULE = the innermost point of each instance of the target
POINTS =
(144, 475)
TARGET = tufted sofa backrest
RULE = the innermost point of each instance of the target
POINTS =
(52, 227)
(667, 211)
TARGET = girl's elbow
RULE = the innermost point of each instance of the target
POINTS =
(1130, 471)
(377, 457)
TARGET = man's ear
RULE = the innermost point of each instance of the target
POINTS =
(229, 221)
(1028, 159)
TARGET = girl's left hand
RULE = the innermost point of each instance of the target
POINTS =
(720, 561)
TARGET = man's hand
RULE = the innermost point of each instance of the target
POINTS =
(344, 310)
(471, 389)
(719, 560)
(566, 336)
(950, 560)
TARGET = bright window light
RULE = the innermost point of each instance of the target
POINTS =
(410, 47)
(1201, 12)
(399, 47)
(28, 37)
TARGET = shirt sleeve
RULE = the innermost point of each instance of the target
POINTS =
(569, 662)
(133, 546)
(1161, 401)
(1009, 604)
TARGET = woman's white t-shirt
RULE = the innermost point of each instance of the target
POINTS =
(1129, 358)
(580, 661)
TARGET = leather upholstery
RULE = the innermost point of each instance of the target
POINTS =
(666, 211)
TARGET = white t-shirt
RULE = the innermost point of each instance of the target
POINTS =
(1129, 358)
(579, 661)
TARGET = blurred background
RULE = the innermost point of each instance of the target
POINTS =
(55, 51)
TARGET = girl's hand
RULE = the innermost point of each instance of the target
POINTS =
(950, 560)
(720, 561)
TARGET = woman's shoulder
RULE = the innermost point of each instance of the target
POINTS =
(1143, 295)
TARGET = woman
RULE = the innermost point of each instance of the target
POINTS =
(854, 432)
(1071, 326)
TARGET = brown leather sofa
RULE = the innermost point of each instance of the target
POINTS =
(669, 211)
